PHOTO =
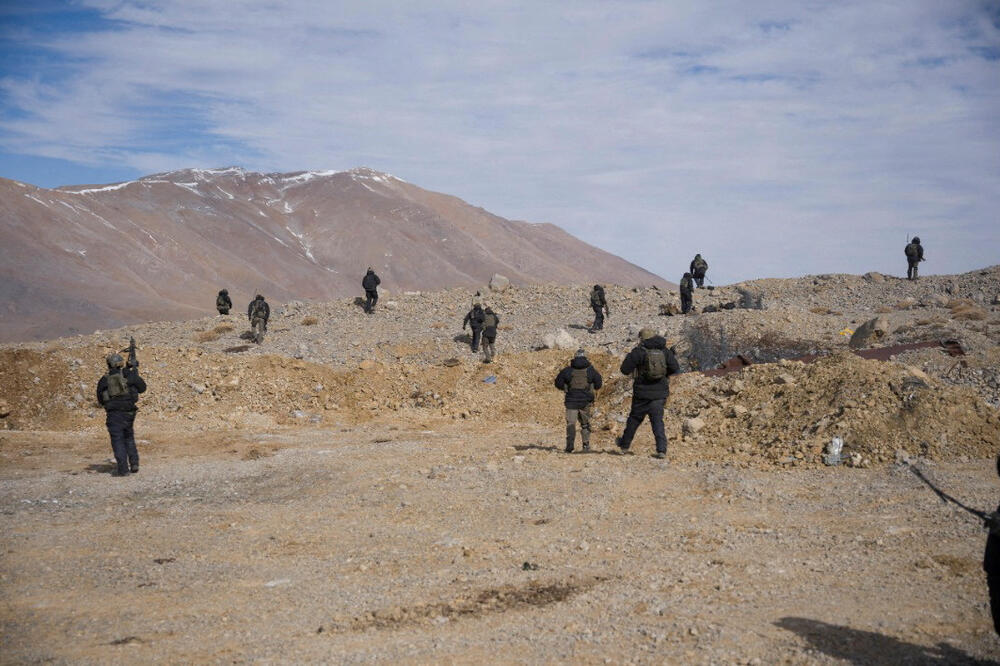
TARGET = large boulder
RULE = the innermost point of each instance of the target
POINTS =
(869, 332)
(561, 339)
(935, 301)
(499, 283)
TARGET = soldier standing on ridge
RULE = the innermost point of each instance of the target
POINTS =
(491, 320)
(698, 268)
(370, 283)
(223, 303)
(474, 318)
(578, 380)
(687, 293)
(600, 306)
(914, 255)
(118, 392)
(651, 365)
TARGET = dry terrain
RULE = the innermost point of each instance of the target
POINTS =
(363, 489)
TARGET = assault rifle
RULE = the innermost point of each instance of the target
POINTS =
(133, 360)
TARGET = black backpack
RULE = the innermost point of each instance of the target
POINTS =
(911, 251)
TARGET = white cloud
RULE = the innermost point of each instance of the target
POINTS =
(775, 137)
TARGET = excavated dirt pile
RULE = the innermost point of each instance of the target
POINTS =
(782, 413)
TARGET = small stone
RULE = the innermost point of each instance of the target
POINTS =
(784, 379)
(738, 410)
(692, 426)
(366, 364)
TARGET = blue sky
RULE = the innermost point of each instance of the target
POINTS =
(776, 138)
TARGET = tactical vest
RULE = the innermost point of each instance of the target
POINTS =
(596, 298)
(258, 310)
(220, 301)
(654, 367)
(490, 321)
(578, 380)
(117, 386)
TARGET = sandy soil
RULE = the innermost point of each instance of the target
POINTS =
(470, 544)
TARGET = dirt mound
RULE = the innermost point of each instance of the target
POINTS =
(787, 412)
(782, 413)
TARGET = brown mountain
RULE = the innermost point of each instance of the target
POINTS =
(77, 258)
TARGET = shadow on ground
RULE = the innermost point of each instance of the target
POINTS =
(866, 647)
(559, 449)
(101, 468)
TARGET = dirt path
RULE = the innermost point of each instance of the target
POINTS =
(375, 544)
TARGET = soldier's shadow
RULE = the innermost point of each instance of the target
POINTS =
(866, 647)
(464, 338)
(101, 468)
(557, 449)
(579, 327)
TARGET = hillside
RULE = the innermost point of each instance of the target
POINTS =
(75, 259)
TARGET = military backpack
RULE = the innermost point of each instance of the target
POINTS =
(579, 380)
(911, 251)
(258, 311)
(117, 386)
(490, 320)
(654, 366)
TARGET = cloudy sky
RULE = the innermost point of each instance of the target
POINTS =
(775, 137)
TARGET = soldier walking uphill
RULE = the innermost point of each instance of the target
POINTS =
(258, 312)
(650, 364)
(491, 320)
(698, 269)
(370, 283)
(223, 303)
(475, 318)
(914, 255)
(600, 306)
(578, 380)
(118, 392)
(687, 293)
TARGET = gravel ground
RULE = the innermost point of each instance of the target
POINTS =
(380, 545)
(345, 492)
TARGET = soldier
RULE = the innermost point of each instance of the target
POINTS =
(578, 380)
(474, 318)
(223, 303)
(258, 312)
(650, 364)
(991, 562)
(914, 255)
(687, 293)
(370, 283)
(600, 306)
(491, 320)
(118, 392)
(698, 268)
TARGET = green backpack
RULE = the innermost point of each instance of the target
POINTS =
(117, 386)
(578, 379)
(654, 367)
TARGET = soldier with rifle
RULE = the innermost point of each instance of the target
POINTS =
(118, 392)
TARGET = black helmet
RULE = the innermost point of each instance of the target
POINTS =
(258, 298)
(114, 360)
(224, 291)
(687, 275)
(598, 287)
(916, 239)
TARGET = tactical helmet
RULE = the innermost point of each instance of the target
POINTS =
(258, 298)
(224, 291)
(115, 360)
(580, 353)
(916, 239)
(646, 334)
(687, 275)
(598, 287)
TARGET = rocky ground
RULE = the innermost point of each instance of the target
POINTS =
(364, 489)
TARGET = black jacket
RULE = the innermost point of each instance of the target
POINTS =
(687, 286)
(370, 281)
(474, 318)
(659, 389)
(125, 403)
(578, 398)
(991, 558)
(698, 266)
(223, 300)
(267, 310)
(919, 252)
(597, 299)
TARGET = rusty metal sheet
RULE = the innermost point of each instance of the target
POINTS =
(732, 365)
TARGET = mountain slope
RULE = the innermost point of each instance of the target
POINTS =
(77, 258)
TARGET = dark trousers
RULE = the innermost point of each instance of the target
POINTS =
(699, 279)
(477, 333)
(911, 269)
(640, 409)
(993, 583)
(223, 310)
(598, 317)
(123, 440)
(371, 298)
(686, 302)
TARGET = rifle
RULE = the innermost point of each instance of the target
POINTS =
(945, 497)
(133, 360)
